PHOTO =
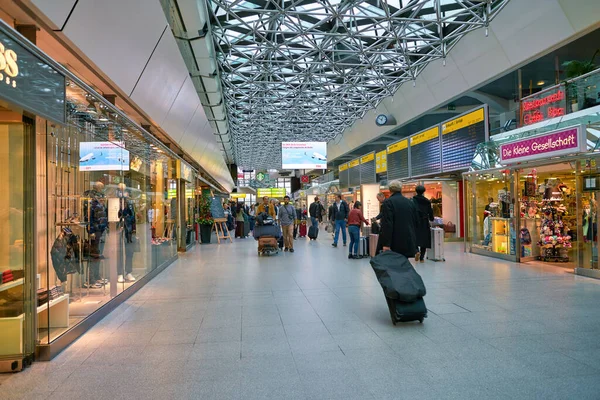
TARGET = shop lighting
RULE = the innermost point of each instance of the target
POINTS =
(103, 118)
(540, 83)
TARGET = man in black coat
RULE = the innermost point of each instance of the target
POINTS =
(424, 217)
(398, 223)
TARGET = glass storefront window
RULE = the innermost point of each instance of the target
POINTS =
(492, 217)
(110, 212)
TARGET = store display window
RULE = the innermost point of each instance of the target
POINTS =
(109, 216)
(492, 213)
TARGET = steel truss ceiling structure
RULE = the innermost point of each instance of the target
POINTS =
(304, 70)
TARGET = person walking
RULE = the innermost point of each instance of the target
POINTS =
(340, 216)
(331, 215)
(355, 220)
(315, 211)
(424, 217)
(266, 207)
(287, 219)
(252, 216)
(398, 223)
(239, 221)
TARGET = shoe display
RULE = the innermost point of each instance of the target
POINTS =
(129, 277)
(120, 279)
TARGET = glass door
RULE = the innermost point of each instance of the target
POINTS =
(589, 230)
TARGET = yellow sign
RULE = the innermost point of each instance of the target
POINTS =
(354, 163)
(464, 121)
(238, 195)
(381, 162)
(343, 167)
(261, 192)
(278, 192)
(367, 158)
(425, 136)
(394, 147)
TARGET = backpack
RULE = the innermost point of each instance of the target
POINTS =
(525, 236)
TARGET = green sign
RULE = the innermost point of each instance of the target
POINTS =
(260, 177)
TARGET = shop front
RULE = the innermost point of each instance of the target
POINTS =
(541, 205)
(91, 205)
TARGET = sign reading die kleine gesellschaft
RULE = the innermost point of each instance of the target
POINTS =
(561, 142)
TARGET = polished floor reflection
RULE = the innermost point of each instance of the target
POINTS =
(222, 323)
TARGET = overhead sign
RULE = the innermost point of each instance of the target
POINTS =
(561, 142)
(544, 105)
(460, 137)
(262, 192)
(367, 169)
(425, 152)
(369, 157)
(260, 176)
(238, 195)
(354, 163)
(28, 81)
(343, 167)
(271, 192)
(381, 162)
(305, 179)
(103, 156)
(278, 192)
(401, 145)
(397, 160)
(304, 155)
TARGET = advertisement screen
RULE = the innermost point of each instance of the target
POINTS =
(103, 156)
(304, 155)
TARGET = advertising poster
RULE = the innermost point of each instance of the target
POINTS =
(304, 155)
(103, 156)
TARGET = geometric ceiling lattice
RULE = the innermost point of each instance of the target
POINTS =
(304, 70)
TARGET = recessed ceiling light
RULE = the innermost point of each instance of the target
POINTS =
(540, 83)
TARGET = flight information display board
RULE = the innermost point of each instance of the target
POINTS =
(425, 152)
(343, 176)
(460, 137)
(367, 169)
(354, 173)
(381, 162)
(397, 160)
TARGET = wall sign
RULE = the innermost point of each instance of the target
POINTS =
(561, 142)
(544, 105)
(460, 137)
(425, 152)
(29, 82)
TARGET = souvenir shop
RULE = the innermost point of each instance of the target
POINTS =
(91, 205)
(541, 207)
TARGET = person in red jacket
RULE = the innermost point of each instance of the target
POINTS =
(355, 220)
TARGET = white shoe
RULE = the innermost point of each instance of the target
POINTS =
(120, 279)
(129, 278)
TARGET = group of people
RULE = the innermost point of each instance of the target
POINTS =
(286, 214)
(404, 223)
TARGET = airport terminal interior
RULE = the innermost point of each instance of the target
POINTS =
(324, 199)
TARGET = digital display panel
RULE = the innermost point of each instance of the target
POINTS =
(354, 173)
(397, 160)
(303, 155)
(460, 137)
(425, 153)
(367, 169)
(103, 156)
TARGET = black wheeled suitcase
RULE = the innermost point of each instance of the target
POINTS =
(313, 232)
(280, 242)
(406, 312)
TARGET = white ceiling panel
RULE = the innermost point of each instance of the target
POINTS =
(118, 36)
(56, 10)
(183, 109)
(162, 80)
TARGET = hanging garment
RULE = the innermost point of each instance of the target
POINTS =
(65, 255)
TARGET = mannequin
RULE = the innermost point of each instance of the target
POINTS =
(97, 216)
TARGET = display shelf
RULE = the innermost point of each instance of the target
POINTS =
(59, 313)
(11, 284)
(11, 335)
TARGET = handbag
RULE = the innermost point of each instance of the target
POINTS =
(450, 227)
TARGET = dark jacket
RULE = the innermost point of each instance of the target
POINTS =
(315, 210)
(398, 224)
(343, 212)
(424, 216)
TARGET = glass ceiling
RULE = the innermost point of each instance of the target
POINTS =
(304, 70)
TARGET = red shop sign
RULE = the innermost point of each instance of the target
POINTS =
(545, 105)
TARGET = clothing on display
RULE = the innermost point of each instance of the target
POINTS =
(65, 254)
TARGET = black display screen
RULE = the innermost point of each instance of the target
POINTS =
(344, 177)
(354, 173)
(367, 169)
(425, 153)
(460, 137)
(397, 160)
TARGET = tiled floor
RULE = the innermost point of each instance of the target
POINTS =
(222, 323)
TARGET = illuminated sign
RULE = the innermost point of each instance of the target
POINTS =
(544, 105)
(343, 167)
(238, 195)
(278, 192)
(271, 192)
(354, 163)
(564, 141)
(426, 136)
(401, 145)
(462, 122)
(28, 81)
(381, 162)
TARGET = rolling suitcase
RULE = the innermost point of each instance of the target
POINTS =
(406, 312)
(303, 229)
(436, 253)
(313, 232)
(363, 247)
(373, 239)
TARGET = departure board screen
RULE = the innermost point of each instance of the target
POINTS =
(397, 160)
(425, 154)
(367, 169)
(343, 176)
(460, 137)
(354, 173)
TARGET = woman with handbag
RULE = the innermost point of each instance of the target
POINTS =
(424, 217)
